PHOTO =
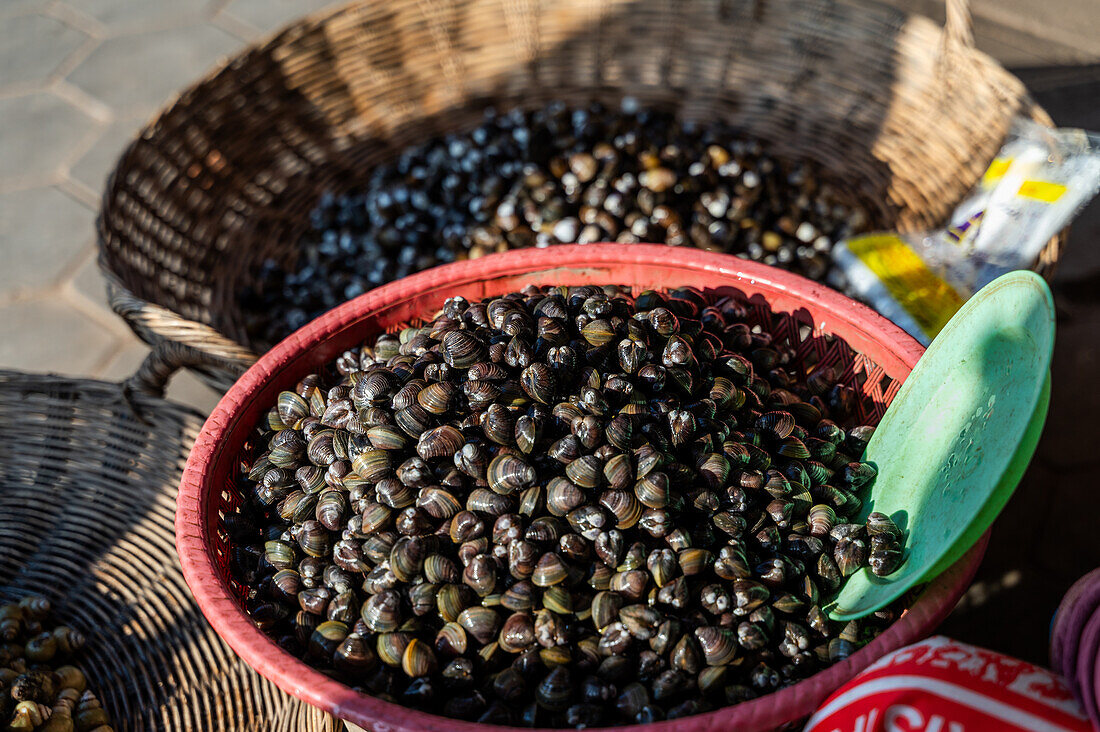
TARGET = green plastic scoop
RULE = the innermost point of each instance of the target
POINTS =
(957, 438)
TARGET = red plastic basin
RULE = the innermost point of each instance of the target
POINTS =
(874, 357)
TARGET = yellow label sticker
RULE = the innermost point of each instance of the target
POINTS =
(926, 296)
(1041, 190)
(995, 172)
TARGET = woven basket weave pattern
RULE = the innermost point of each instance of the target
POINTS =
(87, 505)
(907, 115)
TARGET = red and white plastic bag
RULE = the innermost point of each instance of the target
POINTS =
(941, 685)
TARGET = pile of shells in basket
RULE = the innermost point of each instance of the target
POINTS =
(40, 688)
(558, 174)
(562, 507)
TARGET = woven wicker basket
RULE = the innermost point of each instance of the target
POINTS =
(88, 480)
(907, 114)
(821, 327)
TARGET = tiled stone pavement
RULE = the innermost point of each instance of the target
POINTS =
(78, 78)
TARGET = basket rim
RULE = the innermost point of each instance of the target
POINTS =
(233, 625)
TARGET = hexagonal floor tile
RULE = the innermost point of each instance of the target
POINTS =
(49, 335)
(33, 46)
(186, 388)
(125, 361)
(128, 14)
(42, 232)
(89, 287)
(141, 71)
(93, 168)
(40, 133)
(11, 8)
(267, 15)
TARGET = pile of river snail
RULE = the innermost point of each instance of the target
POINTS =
(562, 507)
(558, 174)
(39, 690)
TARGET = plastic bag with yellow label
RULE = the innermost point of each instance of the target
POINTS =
(1038, 182)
